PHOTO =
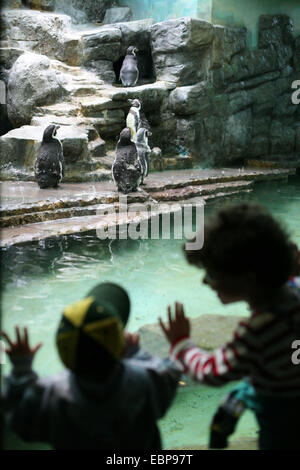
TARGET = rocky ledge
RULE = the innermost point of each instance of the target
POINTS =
(30, 214)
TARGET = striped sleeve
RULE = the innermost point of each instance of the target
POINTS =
(231, 362)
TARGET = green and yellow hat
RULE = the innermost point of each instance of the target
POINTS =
(92, 328)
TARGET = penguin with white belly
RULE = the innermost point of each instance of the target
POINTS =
(133, 119)
(129, 73)
(126, 169)
(143, 150)
(49, 166)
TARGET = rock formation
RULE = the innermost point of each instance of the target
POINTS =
(202, 88)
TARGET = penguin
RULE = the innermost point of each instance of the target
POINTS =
(129, 73)
(144, 121)
(126, 169)
(133, 120)
(49, 166)
(143, 150)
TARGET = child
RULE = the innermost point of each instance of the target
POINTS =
(110, 395)
(248, 257)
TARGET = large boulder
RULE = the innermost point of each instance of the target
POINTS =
(31, 83)
(34, 31)
(227, 42)
(188, 100)
(103, 44)
(180, 50)
(19, 147)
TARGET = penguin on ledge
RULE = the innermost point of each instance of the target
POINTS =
(49, 166)
(129, 73)
(126, 169)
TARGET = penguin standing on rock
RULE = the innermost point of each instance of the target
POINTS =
(126, 169)
(49, 166)
(129, 73)
(143, 150)
(133, 119)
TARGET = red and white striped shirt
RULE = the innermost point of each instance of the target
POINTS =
(261, 349)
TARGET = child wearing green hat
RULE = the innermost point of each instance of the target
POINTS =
(111, 393)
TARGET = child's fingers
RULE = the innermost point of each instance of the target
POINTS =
(37, 347)
(18, 334)
(162, 326)
(169, 315)
(25, 335)
(6, 338)
(179, 311)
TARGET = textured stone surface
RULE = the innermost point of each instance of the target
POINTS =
(31, 83)
(34, 30)
(282, 138)
(105, 44)
(11, 4)
(136, 33)
(8, 56)
(238, 132)
(19, 147)
(227, 42)
(180, 50)
(117, 15)
(275, 29)
(192, 99)
(47, 5)
(83, 11)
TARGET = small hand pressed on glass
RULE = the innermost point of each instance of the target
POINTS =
(177, 327)
(21, 347)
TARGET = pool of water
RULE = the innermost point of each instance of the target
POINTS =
(39, 279)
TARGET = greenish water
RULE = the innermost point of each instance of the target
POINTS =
(40, 279)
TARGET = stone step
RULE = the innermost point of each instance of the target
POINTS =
(78, 207)
(80, 219)
(93, 105)
(59, 109)
(81, 89)
(62, 120)
(197, 177)
(293, 163)
(189, 192)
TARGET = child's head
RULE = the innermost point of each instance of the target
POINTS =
(90, 337)
(246, 253)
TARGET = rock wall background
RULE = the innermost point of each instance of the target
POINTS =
(204, 91)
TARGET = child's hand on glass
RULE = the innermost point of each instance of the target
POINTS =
(21, 347)
(178, 327)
